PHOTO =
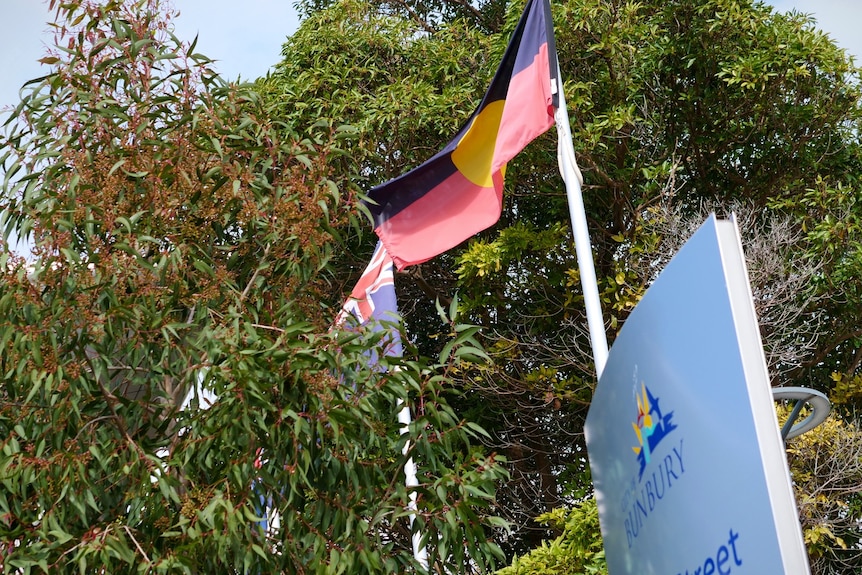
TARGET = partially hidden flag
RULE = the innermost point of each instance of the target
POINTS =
(459, 191)
(372, 301)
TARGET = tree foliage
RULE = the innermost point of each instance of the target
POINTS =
(428, 15)
(181, 240)
(187, 232)
(676, 107)
(577, 550)
(826, 466)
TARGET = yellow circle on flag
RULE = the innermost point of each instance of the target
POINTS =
(475, 152)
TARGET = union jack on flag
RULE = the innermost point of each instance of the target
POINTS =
(373, 298)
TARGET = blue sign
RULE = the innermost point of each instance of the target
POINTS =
(687, 459)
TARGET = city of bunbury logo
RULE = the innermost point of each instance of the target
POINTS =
(650, 427)
(661, 464)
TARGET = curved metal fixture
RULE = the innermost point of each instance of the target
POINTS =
(819, 403)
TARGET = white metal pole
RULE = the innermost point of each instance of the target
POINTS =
(572, 178)
(410, 480)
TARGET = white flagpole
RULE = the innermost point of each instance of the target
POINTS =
(410, 480)
(572, 178)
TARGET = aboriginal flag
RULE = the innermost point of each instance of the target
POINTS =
(459, 191)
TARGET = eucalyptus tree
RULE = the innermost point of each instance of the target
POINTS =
(181, 240)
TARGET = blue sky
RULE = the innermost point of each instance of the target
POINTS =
(245, 36)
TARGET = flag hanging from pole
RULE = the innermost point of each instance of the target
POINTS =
(459, 191)
(370, 302)
(373, 300)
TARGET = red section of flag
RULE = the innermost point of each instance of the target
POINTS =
(457, 203)
(528, 111)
